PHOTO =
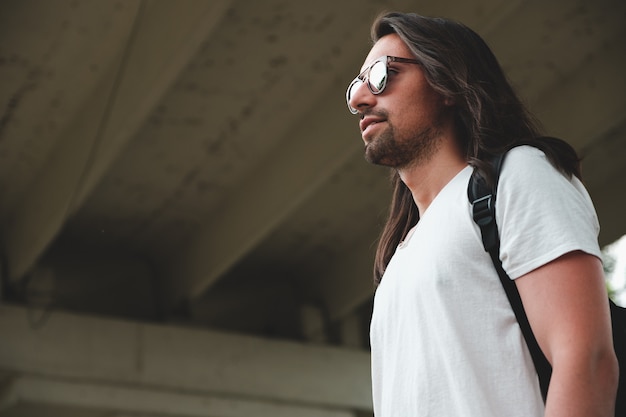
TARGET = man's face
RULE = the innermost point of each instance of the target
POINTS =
(400, 126)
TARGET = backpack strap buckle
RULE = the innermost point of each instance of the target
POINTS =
(483, 210)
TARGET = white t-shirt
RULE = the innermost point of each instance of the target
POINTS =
(444, 339)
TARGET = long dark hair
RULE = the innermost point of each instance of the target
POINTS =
(489, 117)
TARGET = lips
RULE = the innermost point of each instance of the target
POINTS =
(369, 121)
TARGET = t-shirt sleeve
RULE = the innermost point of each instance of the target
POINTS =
(541, 214)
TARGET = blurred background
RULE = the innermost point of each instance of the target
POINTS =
(187, 223)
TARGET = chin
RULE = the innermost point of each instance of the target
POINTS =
(377, 159)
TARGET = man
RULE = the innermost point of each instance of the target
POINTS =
(433, 104)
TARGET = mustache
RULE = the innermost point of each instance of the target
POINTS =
(376, 113)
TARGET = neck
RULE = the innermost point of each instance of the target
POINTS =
(427, 179)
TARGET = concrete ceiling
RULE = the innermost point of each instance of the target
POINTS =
(193, 163)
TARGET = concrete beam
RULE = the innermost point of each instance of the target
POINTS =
(104, 351)
(44, 393)
(590, 101)
(164, 39)
(292, 174)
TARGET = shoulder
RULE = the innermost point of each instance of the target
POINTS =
(525, 166)
(525, 155)
(541, 213)
(527, 169)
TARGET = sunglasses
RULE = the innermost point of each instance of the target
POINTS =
(376, 76)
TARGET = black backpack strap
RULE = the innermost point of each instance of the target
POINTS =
(483, 200)
(618, 319)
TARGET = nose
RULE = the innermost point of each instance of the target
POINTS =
(361, 97)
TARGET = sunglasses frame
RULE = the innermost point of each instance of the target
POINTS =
(363, 77)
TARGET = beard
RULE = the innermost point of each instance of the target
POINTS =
(389, 150)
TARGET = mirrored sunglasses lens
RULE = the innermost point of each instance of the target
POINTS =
(378, 77)
(351, 89)
(355, 84)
